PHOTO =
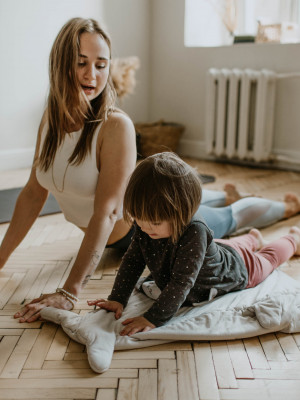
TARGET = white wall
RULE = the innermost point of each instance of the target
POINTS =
(27, 31)
(171, 80)
(128, 22)
(178, 79)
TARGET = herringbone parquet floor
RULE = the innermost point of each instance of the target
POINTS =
(39, 361)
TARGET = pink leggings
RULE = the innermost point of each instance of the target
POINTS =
(261, 263)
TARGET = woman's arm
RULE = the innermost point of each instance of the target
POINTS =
(27, 209)
(117, 159)
(117, 162)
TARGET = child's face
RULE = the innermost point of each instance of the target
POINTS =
(157, 230)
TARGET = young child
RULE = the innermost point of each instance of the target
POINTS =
(172, 240)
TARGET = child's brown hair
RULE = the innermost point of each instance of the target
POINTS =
(163, 188)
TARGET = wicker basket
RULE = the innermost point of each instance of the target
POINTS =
(270, 33)
(158, 136)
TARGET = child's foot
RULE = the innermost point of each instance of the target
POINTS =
(292, 205)
(259, 238)
(295, 232)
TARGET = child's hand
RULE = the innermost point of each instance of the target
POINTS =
(136, 324)
(108, 305)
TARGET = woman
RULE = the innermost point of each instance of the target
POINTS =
(85, 153)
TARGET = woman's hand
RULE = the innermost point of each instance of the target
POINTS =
(31, 311)
(108, 305)
(135, 325)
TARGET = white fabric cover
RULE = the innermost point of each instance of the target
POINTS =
(272, 306)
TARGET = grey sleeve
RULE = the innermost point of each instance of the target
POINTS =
(131, 268)
(189, 259)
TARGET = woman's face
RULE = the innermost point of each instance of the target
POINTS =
(93, 66)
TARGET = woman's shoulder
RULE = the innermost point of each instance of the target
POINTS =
(117, 125)
(118, 118)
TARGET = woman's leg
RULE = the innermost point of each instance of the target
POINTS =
(219, 220)
(247, 212)
(257, 212)
(213, 198)
(260, 264)
(221, 198)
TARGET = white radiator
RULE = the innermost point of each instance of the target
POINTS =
(240, 113)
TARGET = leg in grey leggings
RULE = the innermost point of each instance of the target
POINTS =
(213, 198)
(247, 212)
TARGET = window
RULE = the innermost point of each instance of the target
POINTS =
(224, 22)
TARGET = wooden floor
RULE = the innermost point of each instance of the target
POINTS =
(38, 361)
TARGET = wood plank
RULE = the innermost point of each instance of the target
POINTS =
(54, 281)
(142, 354)
(10, 288)
(206, 377)
(74, 373)
(246, 394)
(7, 346)
(14, 324)
(288, 344)
(41, 346)
(187, 378)
(239, 359)
(58, 346)
(11, 332)
(106, 394)
(98, 381)
(38, 286)
(255, 353)
(20, 353)
(272, 348)
(128, 390)
(67, 393)
(116, 364)
(285, 365)
(296, 337)
(74, 347)
(21, 292)
(167, 380)
(147, 384)
(75, 356)
(223, 366)
(276, 374)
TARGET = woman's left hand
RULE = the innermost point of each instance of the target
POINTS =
(135, 325)
(31, 311)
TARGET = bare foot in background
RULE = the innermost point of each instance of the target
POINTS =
(292, 205)
(232, 194)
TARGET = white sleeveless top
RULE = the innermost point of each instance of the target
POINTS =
(73, 186)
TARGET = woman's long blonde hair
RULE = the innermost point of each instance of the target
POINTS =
(163, 188)
(67, 104)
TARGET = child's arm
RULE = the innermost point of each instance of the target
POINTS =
(190, 254)
(131, 268)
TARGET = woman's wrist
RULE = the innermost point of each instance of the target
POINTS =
(69, 296)
(73, 289)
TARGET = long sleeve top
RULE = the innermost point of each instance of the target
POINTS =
(184, 271)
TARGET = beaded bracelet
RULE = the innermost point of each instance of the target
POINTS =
(68, 294)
